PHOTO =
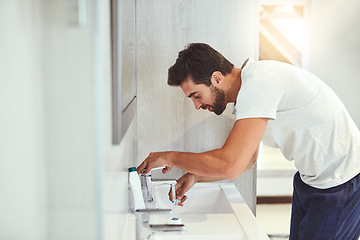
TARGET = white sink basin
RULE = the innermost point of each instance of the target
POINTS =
(212, 211)
(202, 199)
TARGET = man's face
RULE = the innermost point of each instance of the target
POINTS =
(210, 98)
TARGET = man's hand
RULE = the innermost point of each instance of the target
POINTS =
(156, 159)
(183, 185)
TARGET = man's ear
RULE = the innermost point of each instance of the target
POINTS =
(216, 78)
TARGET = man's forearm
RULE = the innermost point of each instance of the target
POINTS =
(201, 164)
(208, 166)
(208, 179)
(212, 164)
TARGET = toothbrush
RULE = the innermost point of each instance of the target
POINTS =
(174, 201)
(174, 220)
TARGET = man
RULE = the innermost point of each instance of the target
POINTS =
(285, 107)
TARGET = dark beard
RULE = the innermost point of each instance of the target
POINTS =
(219, 104)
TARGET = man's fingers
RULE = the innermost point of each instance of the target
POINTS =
(180, 193)
(183, 199)
(143, 167)
(166, 169)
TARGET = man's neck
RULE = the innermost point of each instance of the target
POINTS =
(234, 79)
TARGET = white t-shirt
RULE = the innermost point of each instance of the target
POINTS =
(308, 122)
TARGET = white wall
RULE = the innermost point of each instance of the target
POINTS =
(60, 175)
(22, 159)
(72, 135)
(87, 174)
(334, 53)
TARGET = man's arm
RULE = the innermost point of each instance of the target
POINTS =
(236, 156)
(214, 179)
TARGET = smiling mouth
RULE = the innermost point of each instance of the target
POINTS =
(208, 107)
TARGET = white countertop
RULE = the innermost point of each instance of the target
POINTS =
(239, 223)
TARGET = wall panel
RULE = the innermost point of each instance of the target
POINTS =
(167, 120)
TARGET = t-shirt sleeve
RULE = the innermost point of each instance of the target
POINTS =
(259, 96)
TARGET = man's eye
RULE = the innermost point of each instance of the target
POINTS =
(196, 97)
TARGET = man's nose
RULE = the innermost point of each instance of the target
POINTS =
(197, 104)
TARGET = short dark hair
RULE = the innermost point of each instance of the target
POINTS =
(199, 61)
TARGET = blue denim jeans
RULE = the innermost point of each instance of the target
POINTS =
(332, 213)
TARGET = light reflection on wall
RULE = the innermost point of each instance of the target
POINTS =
(282, 33)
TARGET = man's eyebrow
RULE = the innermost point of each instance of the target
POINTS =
(191, 94)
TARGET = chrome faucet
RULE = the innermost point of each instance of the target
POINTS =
(146, 187)
(146, 184)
